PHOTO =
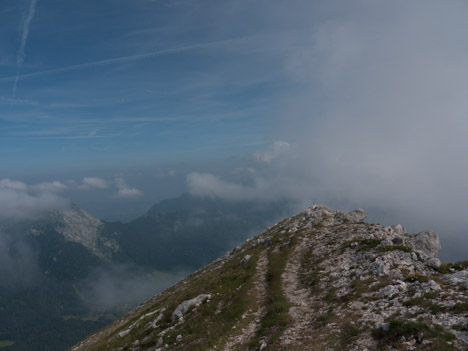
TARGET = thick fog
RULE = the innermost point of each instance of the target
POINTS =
(377, 117)
(124, 286)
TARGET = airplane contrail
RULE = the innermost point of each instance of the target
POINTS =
(24, 37)
(122, 59)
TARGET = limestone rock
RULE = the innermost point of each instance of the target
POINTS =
(433, 263)
(427, 242)
(245, 259)
(358, 215)
(185, 306)
(458, 278)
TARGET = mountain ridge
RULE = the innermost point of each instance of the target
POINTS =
(67, 273)
(320, 280)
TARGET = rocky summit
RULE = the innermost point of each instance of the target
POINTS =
(321, 280)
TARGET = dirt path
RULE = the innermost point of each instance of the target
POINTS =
(301, 311)
(241, 340)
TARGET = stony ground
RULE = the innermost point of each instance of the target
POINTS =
(322, 280)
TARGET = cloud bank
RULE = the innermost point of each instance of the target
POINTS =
(378, 119)
(390, 85)
(20, 204)
(19, 200)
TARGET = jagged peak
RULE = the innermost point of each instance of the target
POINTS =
(79, 226)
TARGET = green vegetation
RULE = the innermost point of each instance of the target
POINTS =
(361, 286)
(92, 316)
(427, 304)
(455, 266)
(398, 328)
(323, 319)
(276, 318)
(460, 327)
(310, 271)
(229, 289)
(395, 248)
(361, 245)
(211, 323)
(349, 333)
(6, 343)
(430, 295)
(369, 244)
(458, 308)
(416, 278)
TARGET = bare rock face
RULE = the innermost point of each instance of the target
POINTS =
(320, 280)
(77, 225)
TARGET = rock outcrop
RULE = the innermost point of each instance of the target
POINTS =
(321, 280)
(77, 225)
(427, 242)
(185, 306)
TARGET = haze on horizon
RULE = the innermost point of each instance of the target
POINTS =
(116, 105)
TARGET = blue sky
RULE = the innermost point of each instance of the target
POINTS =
(113, 82)
(116, 104)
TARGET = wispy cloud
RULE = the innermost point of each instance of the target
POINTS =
(274, 150)
(87, 183)
(53, 187)
(24, 38)
(58, 133)
(17, 102)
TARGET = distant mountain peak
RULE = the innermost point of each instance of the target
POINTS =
(320, 280)
(77, 225)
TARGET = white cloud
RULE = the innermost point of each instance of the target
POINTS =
(86, 184)
(381, 117)
(209, 185)
(19, 200)
(12, 184)
(54, 187)
(273, 151)
(20, 204)
(124, 191)
(89, 183)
